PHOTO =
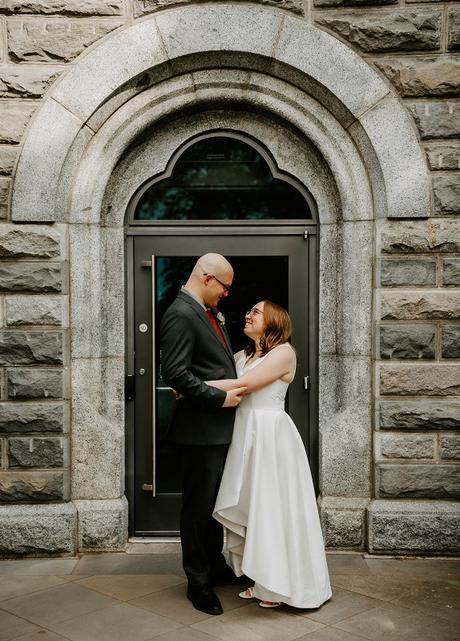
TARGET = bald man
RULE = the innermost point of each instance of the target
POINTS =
(195, 348)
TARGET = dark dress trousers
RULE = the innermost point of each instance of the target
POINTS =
(191, 353)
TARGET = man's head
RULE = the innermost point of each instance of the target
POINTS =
(211, 279)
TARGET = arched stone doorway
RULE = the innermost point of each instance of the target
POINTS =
(271, 71)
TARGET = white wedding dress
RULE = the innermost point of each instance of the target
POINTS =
(267, 502)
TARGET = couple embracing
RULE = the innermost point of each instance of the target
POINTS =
(243, 463)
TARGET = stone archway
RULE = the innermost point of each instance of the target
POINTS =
(134, 81)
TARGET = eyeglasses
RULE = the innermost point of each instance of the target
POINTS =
(253, 312)
(226, 287)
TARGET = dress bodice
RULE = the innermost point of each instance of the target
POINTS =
(269, 397)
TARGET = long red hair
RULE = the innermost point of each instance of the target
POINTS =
(277, 329)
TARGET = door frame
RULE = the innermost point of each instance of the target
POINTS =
(309, 231)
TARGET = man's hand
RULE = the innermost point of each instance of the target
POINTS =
(234, 397)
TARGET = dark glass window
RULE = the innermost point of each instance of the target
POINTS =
(221, 178)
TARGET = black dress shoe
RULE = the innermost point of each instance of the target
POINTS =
(228, 577)
(203, 598)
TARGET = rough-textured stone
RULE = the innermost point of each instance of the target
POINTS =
(431, 380)
(64, 7)
(394, 273)
(430, 76)
(27, 242)
(398, 30)
(141, 7)
(342, 522)
(449, 447)
(421, 236)
(34, 310)
(419, 481)
(451, 271)
(30, 277)
(38, 530)
(446, 191)
(406, 446)
(23, 82)
(36, 452)
(421, 414)
(450, 341)
(32, 486)
(419, 306)
(51, 41)
(351, 3)
(31, 417)
(437, 119)
(4, 192)
(13, 122)
(454, 29)
(24, 348)
(402, 527)
(34, 383)
(443, 156)
(8, 155)
(103, 525)
(407, 341)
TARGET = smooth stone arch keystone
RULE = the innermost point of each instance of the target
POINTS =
(264, 37)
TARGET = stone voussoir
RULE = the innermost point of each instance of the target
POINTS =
(420, 77)
(32, 417)
(33, 383)
(38, 530)
(33, 486)
(30, 277)
(22, 348)
(142, 7)
(35, 451)
(407, 341)
(29, 242)
(423, 481)
(408, 272)
(420, 414)
(396, 31)
(430, 236)
(420, 380)
(437, 119)
(51, 41)
(8, 155)
(63, 7)
(451, 271)
(414, 527)
(428, 305)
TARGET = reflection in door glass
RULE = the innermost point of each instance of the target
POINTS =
(222, 178)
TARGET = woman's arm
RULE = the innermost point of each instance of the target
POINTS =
(279, 363)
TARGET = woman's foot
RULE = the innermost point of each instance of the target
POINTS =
(249, 594)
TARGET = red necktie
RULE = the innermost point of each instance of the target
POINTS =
(218, 330)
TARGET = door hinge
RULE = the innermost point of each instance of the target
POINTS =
(305, 234)
(306, 382)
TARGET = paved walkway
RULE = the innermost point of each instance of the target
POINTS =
(141, 597)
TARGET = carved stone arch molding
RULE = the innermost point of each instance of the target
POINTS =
(113, 121)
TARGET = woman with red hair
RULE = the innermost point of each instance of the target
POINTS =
(266, 498)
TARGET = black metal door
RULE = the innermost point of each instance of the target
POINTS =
(268, 264)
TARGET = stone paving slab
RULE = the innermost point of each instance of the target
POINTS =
(142, 597)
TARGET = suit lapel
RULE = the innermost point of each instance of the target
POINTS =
(201, 313)
(223, 329)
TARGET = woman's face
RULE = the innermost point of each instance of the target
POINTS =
(254, 321)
